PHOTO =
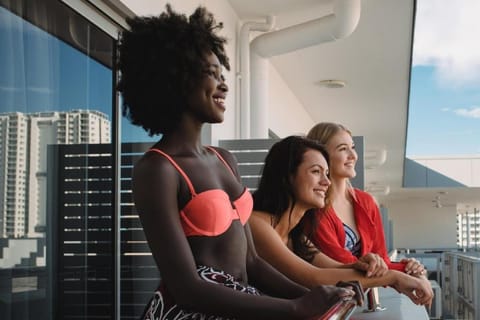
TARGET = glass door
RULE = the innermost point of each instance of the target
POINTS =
(56, 164)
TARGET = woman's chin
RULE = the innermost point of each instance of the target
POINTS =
(216, 120)
(320, 204)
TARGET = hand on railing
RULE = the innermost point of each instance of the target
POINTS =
(342, 309)
(414, 267)
(372, 264)
(418, 289)
(356, 287)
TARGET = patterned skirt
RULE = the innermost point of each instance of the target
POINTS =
(162, 307)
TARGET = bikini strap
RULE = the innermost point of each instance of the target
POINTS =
(221, 159)
(184, 175)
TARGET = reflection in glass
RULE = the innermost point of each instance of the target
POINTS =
(55, 89)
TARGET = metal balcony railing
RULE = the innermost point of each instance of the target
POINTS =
(460, 277)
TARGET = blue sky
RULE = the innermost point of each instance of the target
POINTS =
(43, 73)
(444, 108)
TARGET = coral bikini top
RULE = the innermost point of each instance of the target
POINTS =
(210, 213)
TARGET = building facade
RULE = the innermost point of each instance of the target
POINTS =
(468, 229)
(24, 138)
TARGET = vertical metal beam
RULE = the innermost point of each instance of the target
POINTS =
(117, 153)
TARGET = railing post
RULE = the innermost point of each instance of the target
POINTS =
(373, 301)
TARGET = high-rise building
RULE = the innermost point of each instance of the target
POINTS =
(13, 174)
(468, 229)
(23, 162)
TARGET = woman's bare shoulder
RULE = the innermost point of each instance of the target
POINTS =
(152, 173)
(152, 165)
(261, 217)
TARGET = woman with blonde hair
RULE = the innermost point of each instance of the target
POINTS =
(349, 227)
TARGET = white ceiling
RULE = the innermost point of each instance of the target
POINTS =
(374, 62)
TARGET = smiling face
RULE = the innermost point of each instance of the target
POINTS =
(343, 157)
(207, 101)
(310, 182)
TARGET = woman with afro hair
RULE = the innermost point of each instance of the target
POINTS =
(192, 206)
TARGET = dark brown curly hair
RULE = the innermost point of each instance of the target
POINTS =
(161, 59)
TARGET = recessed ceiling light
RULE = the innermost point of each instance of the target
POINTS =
(331, 84)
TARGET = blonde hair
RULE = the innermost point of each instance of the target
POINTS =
(322, 132)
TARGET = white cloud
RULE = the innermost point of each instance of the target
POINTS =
(30, 88)
(469, 113)
(9, 88)
(39, 89)
(446, 37)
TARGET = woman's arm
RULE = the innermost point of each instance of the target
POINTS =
(266, 278)
(414, 267)
(270, 247)
(372, 264)
(321, 260)
(418, 289)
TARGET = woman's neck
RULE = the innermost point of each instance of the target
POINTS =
(186, 138)
(339, 188)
